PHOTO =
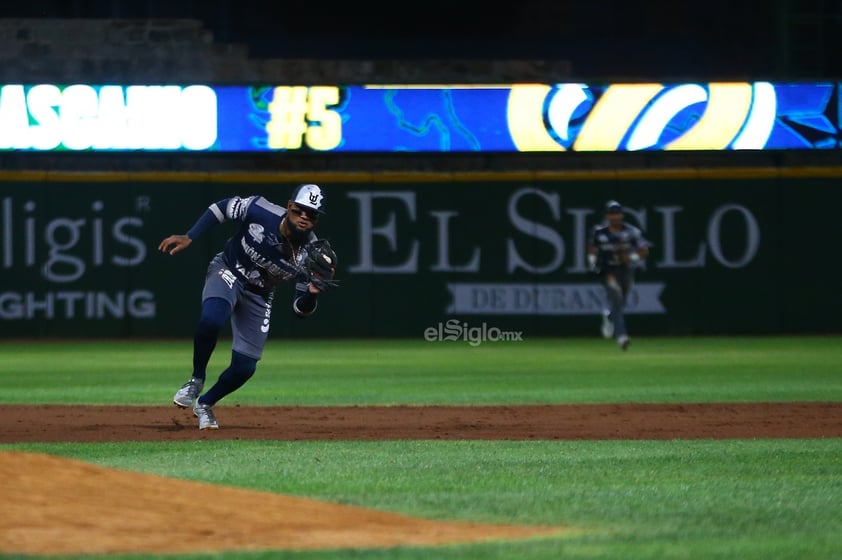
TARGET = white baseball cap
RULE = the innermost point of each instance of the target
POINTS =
(613, 207)
(309, 195)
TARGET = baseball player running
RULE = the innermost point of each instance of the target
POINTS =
(615, 250)
(273, 245)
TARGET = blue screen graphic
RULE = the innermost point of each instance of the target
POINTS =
(575, 117)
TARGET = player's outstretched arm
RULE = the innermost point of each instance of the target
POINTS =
(209, 218)
(175, 243)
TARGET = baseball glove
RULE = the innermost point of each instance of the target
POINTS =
(321, 264)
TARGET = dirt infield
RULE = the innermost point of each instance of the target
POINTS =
(58, 506)
(49, 423)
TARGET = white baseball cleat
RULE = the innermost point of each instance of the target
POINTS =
(207, 421)
(607, 328)
(189, 392)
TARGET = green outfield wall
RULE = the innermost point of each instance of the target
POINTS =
(436, 255)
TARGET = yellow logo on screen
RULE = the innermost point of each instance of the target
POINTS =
(635, 116)
(300, 117)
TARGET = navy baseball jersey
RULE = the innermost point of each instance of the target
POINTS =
(257, 253)
(612, 244)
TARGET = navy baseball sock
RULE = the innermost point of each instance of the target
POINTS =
(616, 304)
(215, 312)
(241, 369)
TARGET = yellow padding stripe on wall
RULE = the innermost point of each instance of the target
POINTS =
(421, 176)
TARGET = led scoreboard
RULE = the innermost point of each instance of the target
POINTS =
(386, 118)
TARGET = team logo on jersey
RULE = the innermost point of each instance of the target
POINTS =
(237, 207)
(256, 232)
(228, 277)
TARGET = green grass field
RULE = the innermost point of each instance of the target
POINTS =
(747, 499)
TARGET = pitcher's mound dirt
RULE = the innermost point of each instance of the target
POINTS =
(53, 505)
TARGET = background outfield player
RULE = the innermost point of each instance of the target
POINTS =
(615, 250)
(273, 245)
